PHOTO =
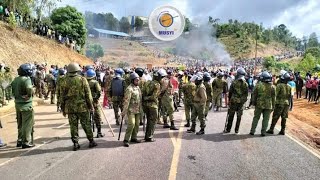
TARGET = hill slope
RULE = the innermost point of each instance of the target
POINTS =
(23, 46)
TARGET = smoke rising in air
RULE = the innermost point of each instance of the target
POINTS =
(202, 44)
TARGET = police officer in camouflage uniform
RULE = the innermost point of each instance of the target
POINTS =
(188, 91)
(51, 82)
(238, 94)
(60, 80)
(219, 86)
(76, 101)
(142, 82)
(8, 79)
(132, 107)
(107, 85)
(199, 103)
(96, 93)
(39, 82)
(206, 79)
(283, 94)
(263, 98)
(150, 94)
(23, 92)
(166, 96)
(117, 89)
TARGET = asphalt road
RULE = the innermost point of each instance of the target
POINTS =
(174, 155)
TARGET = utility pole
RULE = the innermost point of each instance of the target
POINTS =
(255, 56)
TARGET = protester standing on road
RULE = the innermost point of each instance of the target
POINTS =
(199, 103)
(95, 89)
(283, 96)
(132, 107)
(150, 93)
(238, 94)
(263, 98)
(299, 85)
(77, 102)
(23, 92)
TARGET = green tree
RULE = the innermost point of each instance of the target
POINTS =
(69, 22)
(307, 63)
(124, 25)
(313, 40)
(314, 51)
(188, 25)
(138, 24)
(269, 63)
(94, 51)
(112, 22)
(41, 5)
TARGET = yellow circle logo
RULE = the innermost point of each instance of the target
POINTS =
(166, 20)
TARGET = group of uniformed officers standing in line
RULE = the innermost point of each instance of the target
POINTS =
(78, 96)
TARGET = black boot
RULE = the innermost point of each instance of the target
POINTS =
(99, 134)
(192, 129)
(76, 146)
(201, 132)
(270, 131)
(24, 146)
(125, 143)
(117, 122)
(165, 124)
(282, 132)
(188, 124)
(173, 127)
(92, 144)
(19, 143)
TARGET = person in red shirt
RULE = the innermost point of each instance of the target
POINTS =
(314, 86)
(175, 89)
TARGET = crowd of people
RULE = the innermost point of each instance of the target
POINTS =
(148, 97)
(38, 27)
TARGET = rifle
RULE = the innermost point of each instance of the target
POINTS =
(120, 128)
(92, 121)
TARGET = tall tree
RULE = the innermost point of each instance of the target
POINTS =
(138, 24)
(69, 22)
(41, 5)
(313, 40)
(124, 25)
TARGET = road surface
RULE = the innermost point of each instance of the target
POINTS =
(174, 155)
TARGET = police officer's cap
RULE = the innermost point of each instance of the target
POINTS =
(91, 73)
(73, 67)
(162, 72)
(133, 76)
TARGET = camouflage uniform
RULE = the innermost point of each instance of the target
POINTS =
(209, 97)
(2, 90)
(199, 103)
(51, 83)
(219, 86)
(8, 79)
(107, 87)
(238, 94)
(21, 88)
(283, 93)
(76, 101)
(180, 89)
(263, 98)
(132, 107)
(142, 82)
(40, 85)
(59, 92)
(166, 100)
(150, 92)
(96, 93)
(127, 81)
(188, 93)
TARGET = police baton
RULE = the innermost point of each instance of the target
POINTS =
(120, 128)
(92, 121)
(225, 126)
(106, 120)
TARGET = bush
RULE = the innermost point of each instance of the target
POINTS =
(12, 21)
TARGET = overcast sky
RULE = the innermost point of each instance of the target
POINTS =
(302, 17)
